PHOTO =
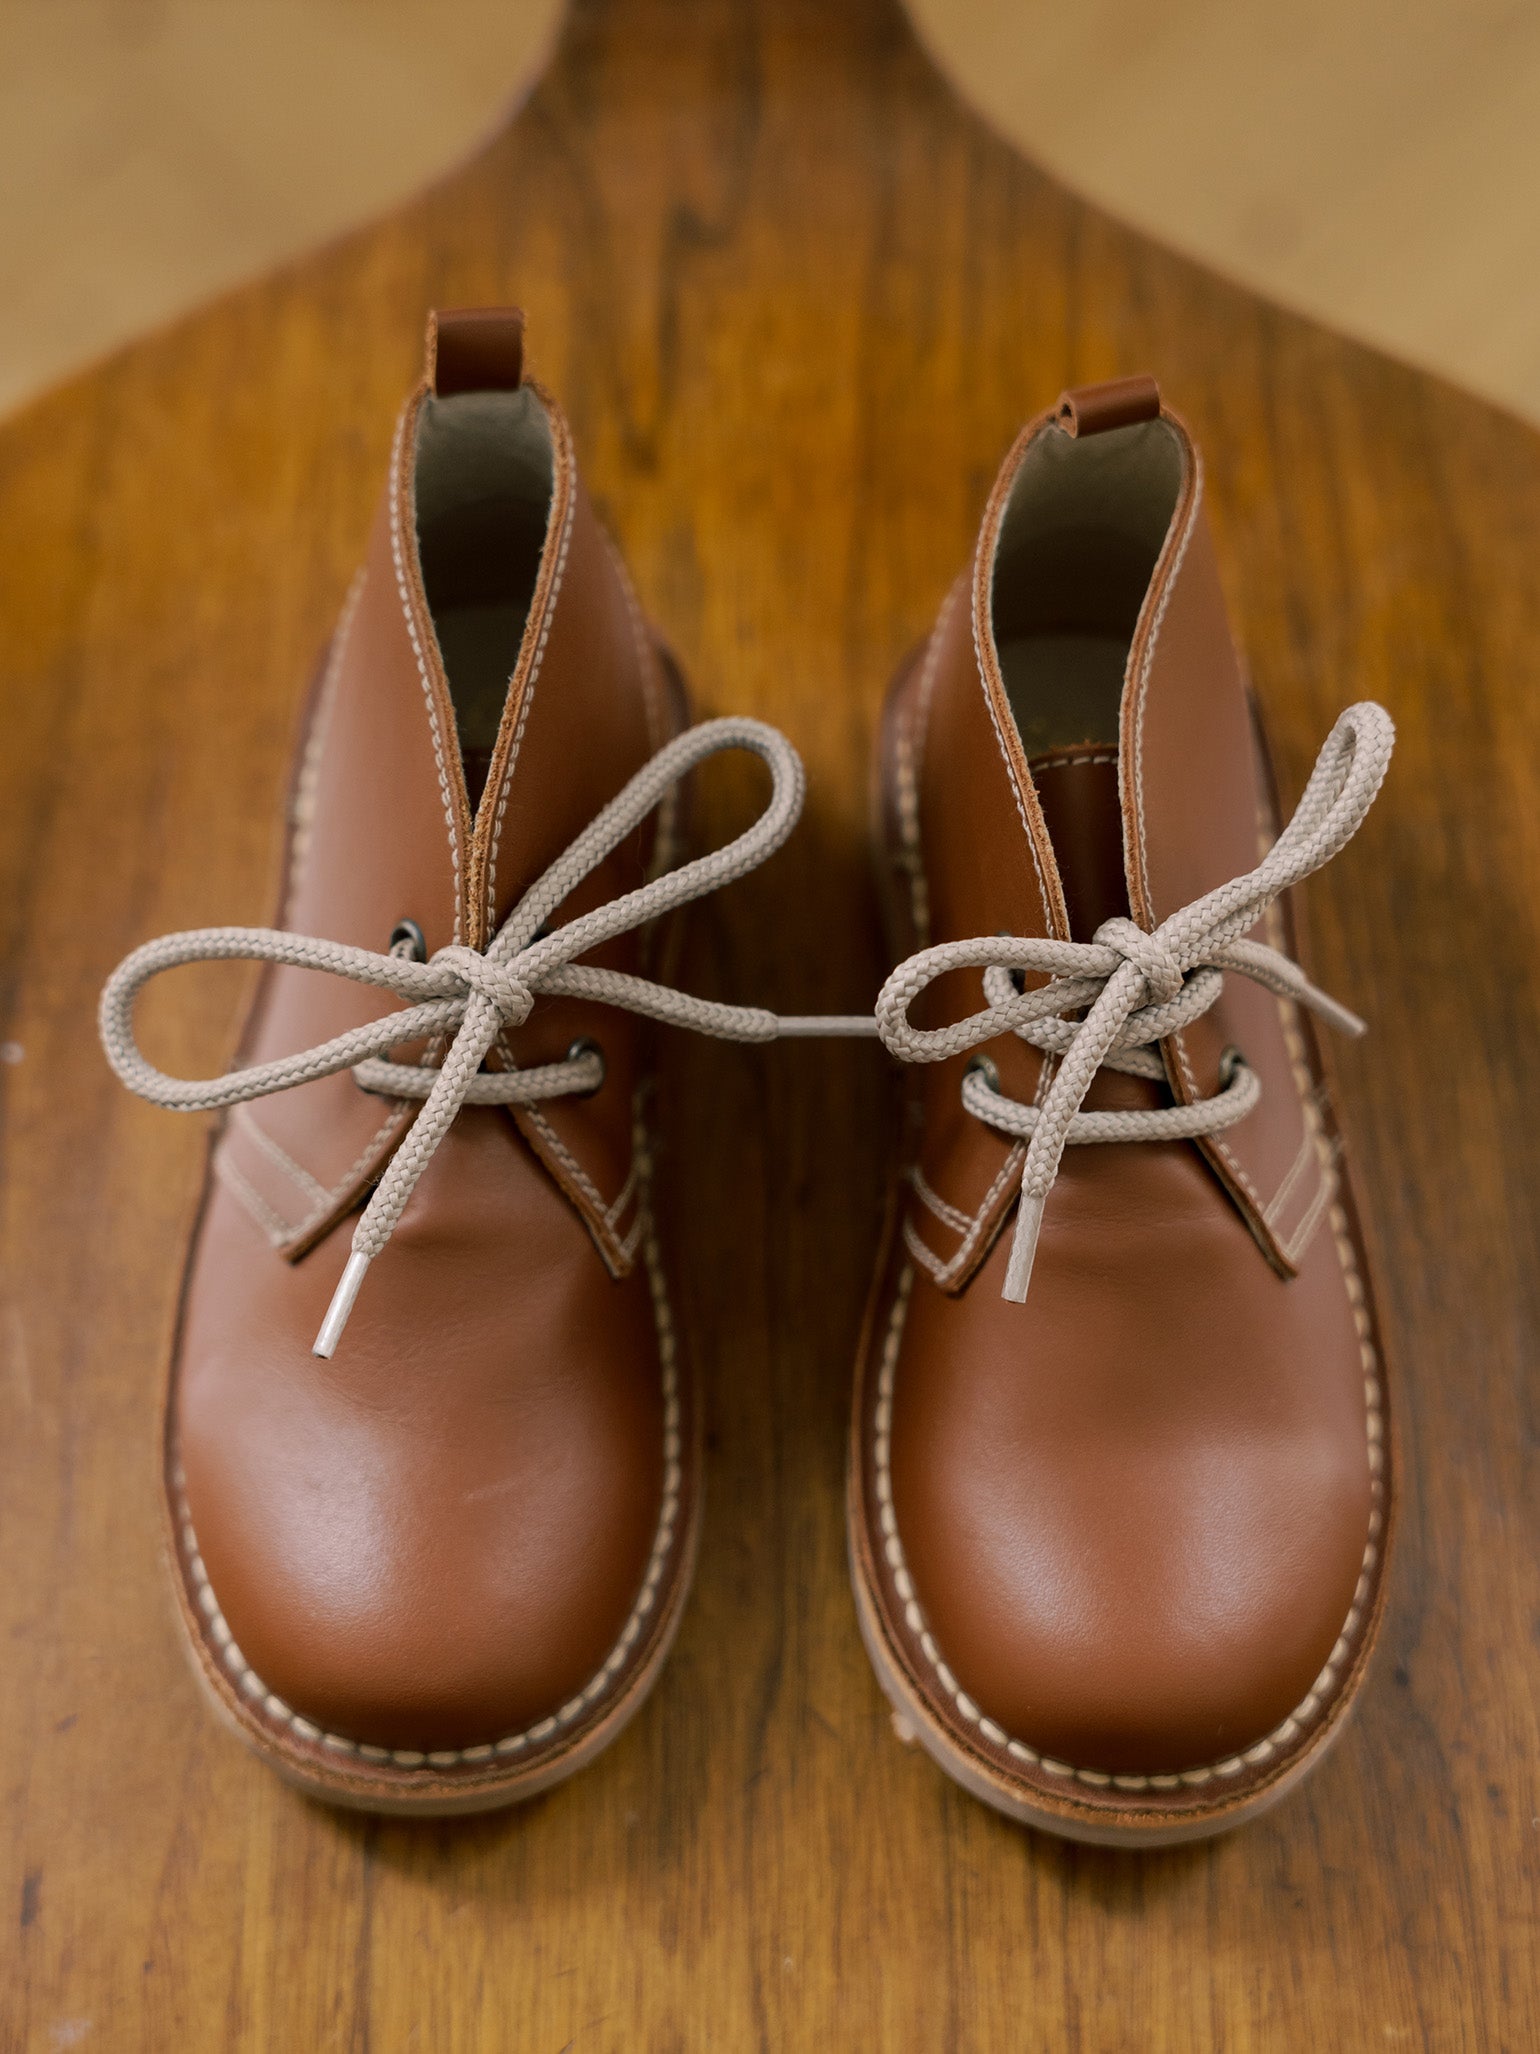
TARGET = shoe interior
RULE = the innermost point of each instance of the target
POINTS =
(483, 491)
(1082, 531)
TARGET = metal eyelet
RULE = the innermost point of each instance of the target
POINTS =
(982, 1066)
(1232, 1060)
(585, 1045)
(407, 939)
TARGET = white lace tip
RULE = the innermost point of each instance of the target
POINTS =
(1018, 1271)
(342, 1304)
(1339, 1016)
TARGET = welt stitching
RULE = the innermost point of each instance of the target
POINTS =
(422, 667)
(1325, 1683)
(408, 1758)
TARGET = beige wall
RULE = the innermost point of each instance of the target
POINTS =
(1374, 163)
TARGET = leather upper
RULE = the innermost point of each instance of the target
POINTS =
(1135, 1509)
(436, 1538)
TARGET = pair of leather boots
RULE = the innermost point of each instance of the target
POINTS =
(1119, 1492)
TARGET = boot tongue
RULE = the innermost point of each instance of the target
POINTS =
(1077, 789)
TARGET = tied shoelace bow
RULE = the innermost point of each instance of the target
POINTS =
(1108, 1001)
(474, 995)
(1113, 999)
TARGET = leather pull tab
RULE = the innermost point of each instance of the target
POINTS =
(1118, 403)
(475, 349)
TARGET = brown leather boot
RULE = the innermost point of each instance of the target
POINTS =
(433, 1562)
(1120, 1486)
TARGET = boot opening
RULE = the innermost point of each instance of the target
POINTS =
(1082, 531)
(483, 491)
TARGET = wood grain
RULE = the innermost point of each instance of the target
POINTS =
(797, 301)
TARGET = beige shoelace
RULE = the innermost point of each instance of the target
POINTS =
(1108, 1001)
(1112, 999)
(474, 996)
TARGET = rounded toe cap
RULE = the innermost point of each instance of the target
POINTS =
(1180, 1625)
(424, 1547)
(426, 1631)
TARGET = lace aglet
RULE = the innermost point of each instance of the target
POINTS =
(342, 1304)
(1018, 1272)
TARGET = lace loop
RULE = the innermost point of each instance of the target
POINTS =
(1134, 988)
(473, 995)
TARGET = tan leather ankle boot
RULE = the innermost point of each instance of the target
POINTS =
(1120, 1485)
(432, 1465)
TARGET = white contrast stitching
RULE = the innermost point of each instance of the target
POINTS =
(921, 1253)
(348, 1178)
(1141, 691)
(949, 1215)
(422, 667)
(1304, 1156)
(243, 1117)
(282, 1714)
(1040, 765)
(575, 1171)
(958, 1260)
(272, 1222)
(528, 698)
(1320, 1690)
(1021, 809)
(623, 1196)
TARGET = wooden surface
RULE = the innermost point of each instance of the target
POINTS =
(797, 302)
(1370, 162)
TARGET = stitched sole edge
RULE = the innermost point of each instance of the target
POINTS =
(1091, 1806)
(1116, 1819)
(495, 1774)
(1169, 1830)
